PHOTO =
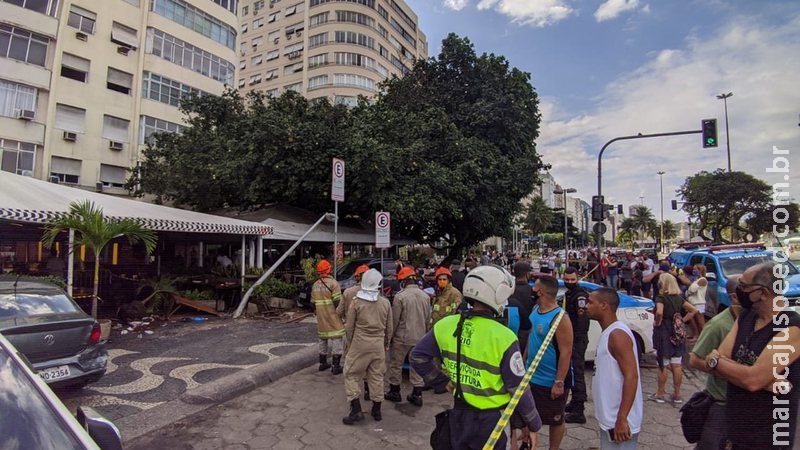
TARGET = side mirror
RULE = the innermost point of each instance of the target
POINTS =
(104, 433)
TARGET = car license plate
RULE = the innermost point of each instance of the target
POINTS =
(54, 373)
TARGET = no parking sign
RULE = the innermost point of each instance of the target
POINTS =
(337, 180)
(382, 226)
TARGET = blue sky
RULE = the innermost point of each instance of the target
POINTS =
(606, 68)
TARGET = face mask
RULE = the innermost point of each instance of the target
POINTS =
(570, 286)
(663, 268)
(441, 283)
(744, 298)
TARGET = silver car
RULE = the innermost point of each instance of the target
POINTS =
(61, 342)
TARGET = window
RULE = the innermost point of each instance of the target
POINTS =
(81, 19)
(290, 11)
(66, 169)
(70, 118)
(245, 10)
(271, 74)
(113, 176)
(199, 21)
(355, 59)
(17, 156)
(397, 27)
(293, 68)
(348, 79)
(257, 41)
(241, 82)
(383, 12)
(403, 15)
(293, 49)
(48, 7)
(273, 36)
(318, 19)
(382, 50)
(368, 3)
(397, 63)
(354, 17)
(383, 32)
(243, 29)
(256, 60)
(189, 56)
(164, 90)
(346, 100)
(272, 54)
(258, 23)
(74, 67)
(255, 79)
(294, 28)
(230, 5)
(133, 2)
(351, 37)
(22, 45)
(15, 98)
(296, 87)
(272, 93)
(243, 64)
(119, 81)
(272, 17)
(318, 60)
(317, 40)
(317, 82)
(150, 125)
(124, 36)
(115, 129)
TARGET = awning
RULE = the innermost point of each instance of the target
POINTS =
(25, 199)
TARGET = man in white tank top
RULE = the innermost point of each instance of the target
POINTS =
(616, 386)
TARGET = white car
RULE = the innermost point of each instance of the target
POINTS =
(632, 311)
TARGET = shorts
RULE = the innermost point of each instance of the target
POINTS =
(517, 423)
(701, 308)
(677, 360)
(550, 410)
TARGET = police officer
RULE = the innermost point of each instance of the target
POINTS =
(575, 299)
(482, 359)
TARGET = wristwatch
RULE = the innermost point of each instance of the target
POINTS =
(712, 362)
(559, 383)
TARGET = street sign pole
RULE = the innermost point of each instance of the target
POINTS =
(382, 232)
(337, 195)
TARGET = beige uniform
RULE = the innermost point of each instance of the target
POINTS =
(445, 303)
(411, 314)
(369, 329)
(348, 296)
(324, 293)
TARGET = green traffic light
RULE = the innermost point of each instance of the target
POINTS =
(710, 141)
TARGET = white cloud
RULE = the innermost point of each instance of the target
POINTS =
(673, 91)
(538, 13)
(611, 9)
(456, 5)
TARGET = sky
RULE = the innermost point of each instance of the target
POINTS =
(609, 68)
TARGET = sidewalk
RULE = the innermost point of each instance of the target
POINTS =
(304, 411)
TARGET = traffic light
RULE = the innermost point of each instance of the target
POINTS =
(619, 209)
(597, 208)
(709, 127)
(674, 205)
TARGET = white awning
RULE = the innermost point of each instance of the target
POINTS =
(25, 199)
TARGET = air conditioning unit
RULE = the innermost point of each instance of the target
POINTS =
(299, 33)
(123, 50)
(288, 37)
(268, 77)
(81, 36)
(54, 179)
(26, 114)
(98, 187)
(114, 145)
(70, 136)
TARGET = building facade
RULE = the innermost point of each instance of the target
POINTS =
(85, 83)
(338, 49)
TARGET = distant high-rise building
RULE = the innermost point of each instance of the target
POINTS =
(84, 84)
(338, 49)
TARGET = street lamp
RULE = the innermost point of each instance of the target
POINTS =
(724, 98)
(566, 230)
(661, 181)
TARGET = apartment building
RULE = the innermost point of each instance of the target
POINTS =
(338, 49)
(85, 83)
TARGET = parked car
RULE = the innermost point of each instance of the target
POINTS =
(345, 277)
(57, 337)
(728, 260)
(34, 418)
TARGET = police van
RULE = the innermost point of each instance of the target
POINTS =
(733, 259)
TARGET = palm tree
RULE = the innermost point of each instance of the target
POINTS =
(95, 231)
(644, 220)
(627, 231)
(538, 216)
(670, 230)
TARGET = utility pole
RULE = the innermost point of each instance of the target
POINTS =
(724, 98)
(661, 182)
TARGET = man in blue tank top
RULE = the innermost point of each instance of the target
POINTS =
(552, 379)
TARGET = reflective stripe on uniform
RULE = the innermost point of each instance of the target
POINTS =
(331, 334)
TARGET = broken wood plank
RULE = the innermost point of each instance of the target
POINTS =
(195, 305)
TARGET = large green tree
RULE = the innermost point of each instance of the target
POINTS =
(537, 216)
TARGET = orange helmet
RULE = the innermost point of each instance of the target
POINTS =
(324, 267)
(361, 269)
(443, 271)
(406, 272)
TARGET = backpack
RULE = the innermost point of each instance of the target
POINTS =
(678, 333)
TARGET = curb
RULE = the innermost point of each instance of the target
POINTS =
(214, 393)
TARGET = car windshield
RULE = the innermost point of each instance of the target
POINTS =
(736, 265)
(28, 420)
(347, 270)
(27, 304)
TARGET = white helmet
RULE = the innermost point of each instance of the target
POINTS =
(491, 285)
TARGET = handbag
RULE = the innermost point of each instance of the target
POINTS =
(694, 414)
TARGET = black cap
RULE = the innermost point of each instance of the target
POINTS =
(521, 268)
(455, 262)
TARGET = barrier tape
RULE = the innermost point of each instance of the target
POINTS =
(506, 416)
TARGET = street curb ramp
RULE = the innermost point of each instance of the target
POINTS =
(215, 392)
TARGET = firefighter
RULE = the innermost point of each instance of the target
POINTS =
(447, 297)
(349, 294)
(325, 294)
(411, 314)
(369, 328)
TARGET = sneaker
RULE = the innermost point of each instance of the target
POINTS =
(656, 398)
(676, 400)
(575, 417)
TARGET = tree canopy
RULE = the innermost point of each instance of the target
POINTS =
(448, 149)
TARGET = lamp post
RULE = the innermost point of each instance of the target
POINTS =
(566, 230)
(661, 182)
(724, 98)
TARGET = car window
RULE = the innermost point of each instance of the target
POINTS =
(347, 270)
(711, 266)
(27, 304)
(695, 259)
(389, 267)
(26, 419)
(736, 265)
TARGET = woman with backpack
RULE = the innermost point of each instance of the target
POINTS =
(669, 336)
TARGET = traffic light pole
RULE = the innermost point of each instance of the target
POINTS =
(599, 238)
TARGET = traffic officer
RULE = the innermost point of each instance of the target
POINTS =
(482, 359)
(325, 294)
(447, 297)
(411, 314)
(575, 299)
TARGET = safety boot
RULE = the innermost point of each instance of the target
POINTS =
(366, 392)
(415, 397)
(336, 369)
(355, 413)
(323, 363)
(376, 411)
(394, 393)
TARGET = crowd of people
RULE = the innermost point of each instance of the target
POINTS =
(477, 339)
